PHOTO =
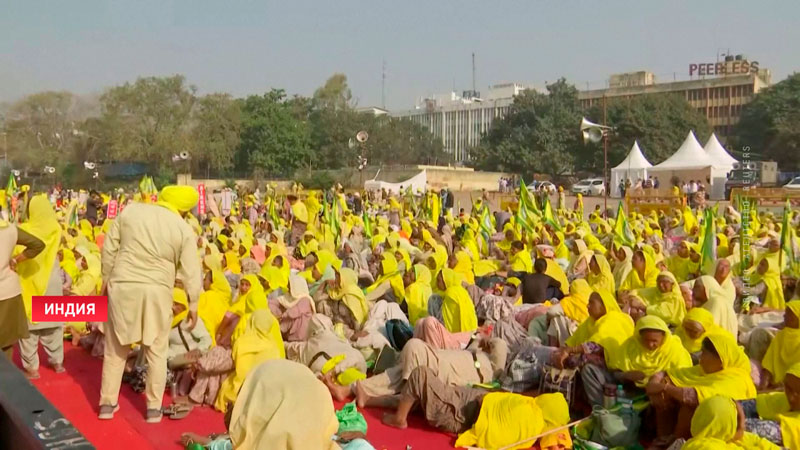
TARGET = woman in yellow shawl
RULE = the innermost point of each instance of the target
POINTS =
(348, 303)
(520, 260)
(664, 301)
(607, 327)
(68, 263)
(390, 280)
(257, 344)
(696, 326)
(779, 412)
(600, 276)
(461, 263)
(458, 311)
(232, 263)
(768, 273)
(439, 252)
(719, 423)
(579, 266)
(783, 350)
(643, 273)
(562, 252)
(679, 263)
(623, 265)
(418, 291)
(706, 293)
(276, 271)
(724, 369)
(214, 301)
(651, 349)
(90, 277)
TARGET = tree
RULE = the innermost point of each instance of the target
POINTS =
(659, 122)
(148, 120)
(537, 135)
(401, 141)
(334, 123)
(769, 124)
(217, 121)
(273, 140)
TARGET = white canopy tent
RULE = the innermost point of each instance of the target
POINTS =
(723, 163)
(634, 166)
(690, 162)
(417, 182)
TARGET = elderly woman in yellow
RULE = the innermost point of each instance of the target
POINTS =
(345, 302)
(565, 317)
(706, 293)
(623, 264)
(664, 301)
(418, 290)
(724, 369)
(293, 309)
(778, 418)
(520, 258)
(461, 263)
(600, 276)
(389, 283)
(214, 301)
(679, 263)
(696, 326)
(719, 423)
(458, 311)
(562, 252)
(768, 273)
(256, 345)
(582, 256)
(783, 350)
(643, 273)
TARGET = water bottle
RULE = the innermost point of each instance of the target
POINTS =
(609, 396)
(626, 404)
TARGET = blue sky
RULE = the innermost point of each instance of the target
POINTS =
(247, 47)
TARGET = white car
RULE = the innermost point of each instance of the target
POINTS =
(793, 184)
(547, 186)
(589, 186)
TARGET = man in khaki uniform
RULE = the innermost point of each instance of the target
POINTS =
(145, 248)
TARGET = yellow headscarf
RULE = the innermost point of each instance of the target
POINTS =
(783, 350)
(213, 303)
(90, 280)
(733, 380)
(257, 344)
(719, 306)
(772, 279)
(390, 273)
(561, 250)
(706, 320)
(255, 298)
(464, 266)
(623, 268)
(775, 406)
(34, 274)
(604, 281)
(609, 331)
(418, 293)
(178, 198)
(557, 273)
(575, 304)
(521, 261)
(669, 306)
(277, 277)
(458, 311)
(506, 418)
(632, 356)
(68, 263)
(351, 295)
(232, 261)
(179, 297)
(714, 424)
(634, 281)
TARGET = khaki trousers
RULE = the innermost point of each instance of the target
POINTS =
(52, 340)
(114, 360)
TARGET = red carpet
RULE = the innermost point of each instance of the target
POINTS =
(76, 393)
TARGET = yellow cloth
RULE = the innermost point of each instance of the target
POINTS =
(178, 198)
(775, 406)
(521, 261)
(669, 306)
(783, 350)
(679, 266)
(390, 273)
(623, 268)
(255, 298)
(34, 274)
(772, 279)
(507, 419)
(88, 280)
(557, 273)
(733, 380)
(706, 320)
(609, 331)
(418, 293)
(277, 277)
(179, 297)
(458, 311)
(464, 266)
(68, 263)
(300, 212)
(714, 425)
(719, 306)
(257, 344)
(604, 281)
(634, 281)
(214, 302)
(632, 356)
(232, 262)
(350, 294)
(575, 304)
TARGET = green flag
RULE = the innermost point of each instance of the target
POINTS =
(548, 215)
(622, 229)
(708, 253)
(367, 223)
(787, 238)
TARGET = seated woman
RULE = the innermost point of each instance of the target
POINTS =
(343, 301)
(469, 411)
(696, 326)
(582, 256)
(595, 342)
(772, 299)
(458, 311)
(417, 282)
(707, 294)
(563, 318)
(719, 422)
(623, 265)
(185, 345)
(389, 282)
(643, 273)
(430, 330)
(481, 363)
(724, 369)
(324, 351)
(600, 277)
(783, 352)
(664, 300)
(779, 413)
(293, 309)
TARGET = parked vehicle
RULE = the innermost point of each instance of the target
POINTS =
(589, 186)
(794, 183)
(752, 174)
(547, 186)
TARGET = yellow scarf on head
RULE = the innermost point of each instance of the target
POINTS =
(733, 380)
(669, 306)
(68, 263)
(521, 261)
(178, 198)
(390, 273)
(772, 279)
(706, 320)
(350, 294)
(507, 418)
(34, 274)
(277, 277)
(179, 297)
(458, 311)
(634, 281)
(575, 304)
(623, 268)
(714, 425)
(783, 350)
(255, 298)
(632, 356)
(464, 266)
(775, 406)
(232, 262)
(562, 252)
(418, 293)
(604, 281)
(213, 303)
(557, 273)
(609, 331)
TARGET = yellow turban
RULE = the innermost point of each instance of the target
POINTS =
(180, 198)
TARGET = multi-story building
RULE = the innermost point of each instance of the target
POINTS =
(460, 120)
(719, 91)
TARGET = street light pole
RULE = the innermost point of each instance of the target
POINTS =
(605, 159)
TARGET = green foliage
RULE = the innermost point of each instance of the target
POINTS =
(769, 124)
(215, 132)
(318, 179)
(660, 123)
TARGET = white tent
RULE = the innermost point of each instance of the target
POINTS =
(634, 166)
(417, 183)
(690, 162)
(723, 163)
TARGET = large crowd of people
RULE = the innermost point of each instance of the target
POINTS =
(535, 326)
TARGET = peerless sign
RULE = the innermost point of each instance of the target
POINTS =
(737, 67)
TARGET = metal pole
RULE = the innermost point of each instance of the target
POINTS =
(605, 159)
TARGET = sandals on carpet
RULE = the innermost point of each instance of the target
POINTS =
(177, 411)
